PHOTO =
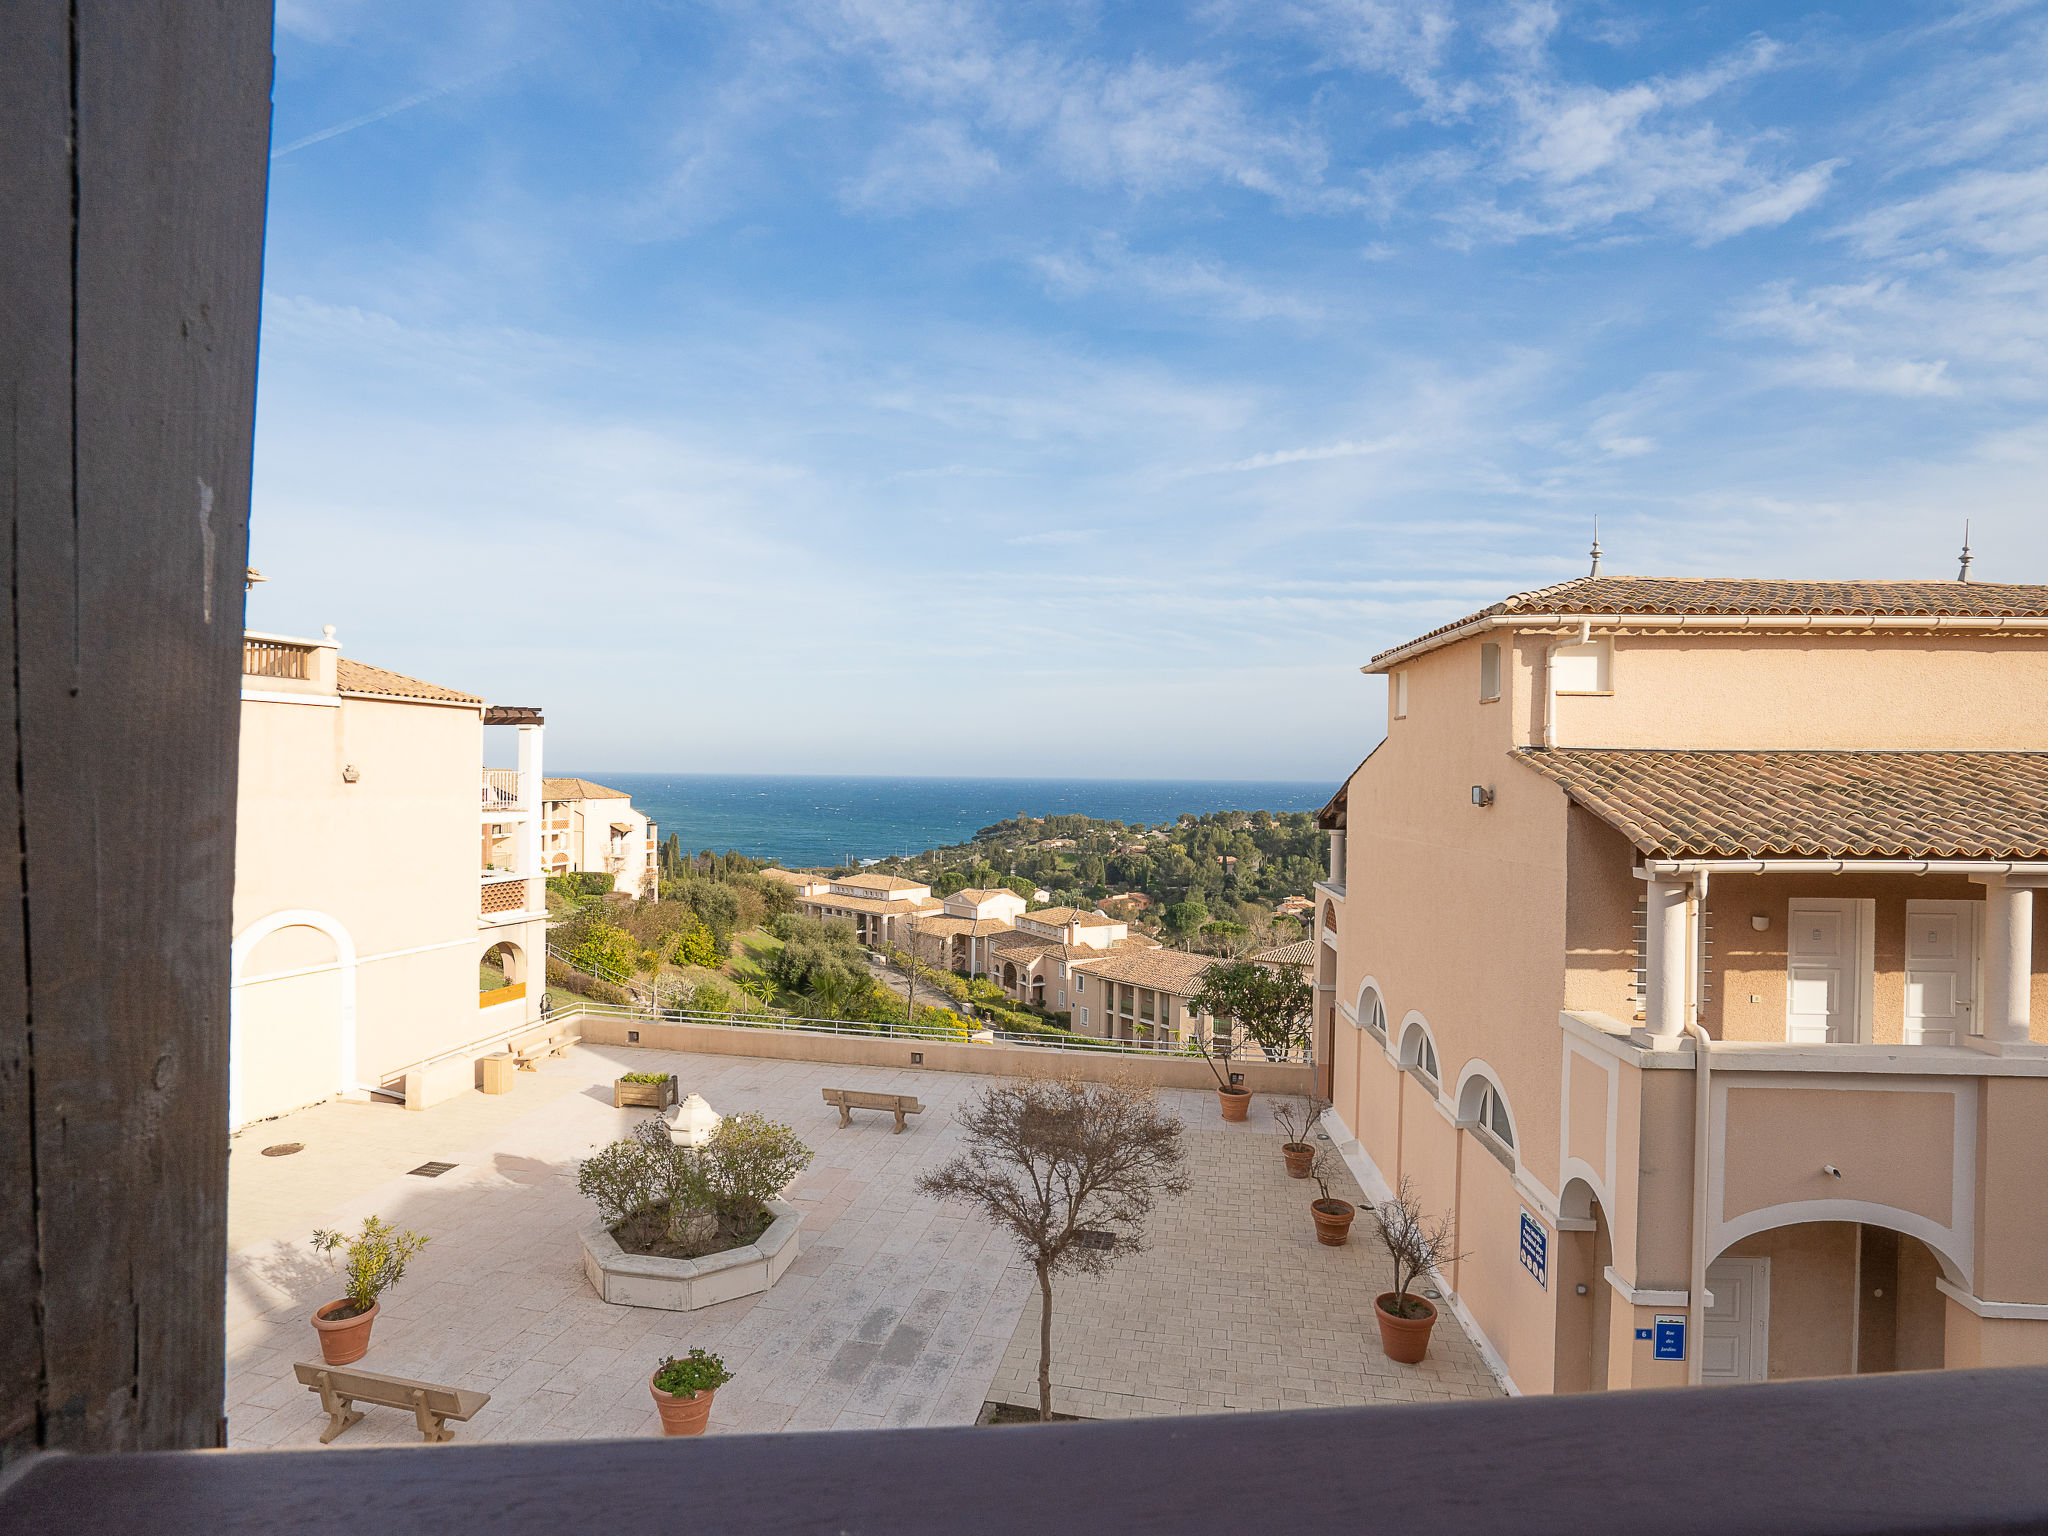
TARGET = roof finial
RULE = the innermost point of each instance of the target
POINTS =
(1963, 573)
(1596, 546)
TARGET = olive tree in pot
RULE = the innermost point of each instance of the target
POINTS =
(1419, 1245)
(1069, 1170)
(683, 1390)
(371, 1262)
(1272, 1004)
(1298, 1115)
(1333, 1217)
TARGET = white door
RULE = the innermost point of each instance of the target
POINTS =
(1941, 966)
(1737, 1346)
(1826, 972)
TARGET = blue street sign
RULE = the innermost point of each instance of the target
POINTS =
(1536, 1250)
(1670, 1340)
(1644, 1335)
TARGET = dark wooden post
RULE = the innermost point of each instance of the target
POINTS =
(134, 143)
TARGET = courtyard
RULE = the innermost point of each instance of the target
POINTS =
(898, 1311)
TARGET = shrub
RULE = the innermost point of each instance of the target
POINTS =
(698, 1372)
(560, 975)
(696, 947)
(644, 1077)
(606, 947)
(748, 1161)
(372, 1261)
(652, 1191)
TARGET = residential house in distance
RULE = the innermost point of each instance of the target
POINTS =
(1684, 949)
(1138, 993)
(362, 921)
(588, 828)
(879, 906)
(958, 938)
(799, 882)
(1030, 963)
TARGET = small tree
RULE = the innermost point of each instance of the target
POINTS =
(1069, 1170)
(1417, 1244)
(371, 1262)
(695, 946)
(1298, 1114)
(606, 950)
(1273, 1003)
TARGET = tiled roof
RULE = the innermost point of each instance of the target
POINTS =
(977, 896)
(578, 789)
(878, 905)
(947, 926)
(880, 883)
(794, 877)
(1762, 597)
(1165, 970)
(1300, 952)
(1063, 917)
(1919, 805)
(354, 677)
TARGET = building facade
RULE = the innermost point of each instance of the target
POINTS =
(880, 907)
(1680, 942)
(587, 828)
(362, 921)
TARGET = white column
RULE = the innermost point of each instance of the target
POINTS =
(1665, 962)
(531, 788)
(2004, 1012)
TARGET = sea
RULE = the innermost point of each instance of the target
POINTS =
(805, 821)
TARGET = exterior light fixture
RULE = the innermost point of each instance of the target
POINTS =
(350, 773)
(1759, 922)
(917, 1058)
(1831, 1170)
(1481, 796)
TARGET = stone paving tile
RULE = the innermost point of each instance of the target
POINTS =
(897, 1312)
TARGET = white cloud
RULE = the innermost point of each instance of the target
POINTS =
(1190, 283)
(934, 164)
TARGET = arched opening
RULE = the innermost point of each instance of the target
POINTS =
(1009, 975)
(1585, 1301)
(501, 975)
(1372, 1011)
(1825, 1298)
(1482, 1107)
(1418, 1052)
(291, 1014)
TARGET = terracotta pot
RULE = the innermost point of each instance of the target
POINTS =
(348, 1340)
(682, 1415)
(1300, 1158)
(1333, 1221)
(1405, 1339)
(1235, 1101)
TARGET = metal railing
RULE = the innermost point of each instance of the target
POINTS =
(1242, 1050)
(501, 789)
(274, 658)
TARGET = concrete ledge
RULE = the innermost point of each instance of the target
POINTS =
(683, 1285)
(1164, 1070)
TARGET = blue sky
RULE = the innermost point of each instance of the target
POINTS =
(1084, 390)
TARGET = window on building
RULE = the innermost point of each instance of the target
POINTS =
(1084, 1018)
(1583, 668)
(1374, 1015)
(1080, 984)
(1401, 694)
(1489, 672)
(1418, 1052)
(1482, 1108)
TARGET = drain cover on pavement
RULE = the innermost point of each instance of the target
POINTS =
(1091, 1237)
(284, 1149)
(431, 1170)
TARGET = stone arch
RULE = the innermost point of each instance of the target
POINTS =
(1584, 1299)
(512, 960)
(1415, 1035)
(1473, 1082)
(1939, 1241)
(1371, 996)
(239, 951)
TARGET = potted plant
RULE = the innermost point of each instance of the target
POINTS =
(1333, 1216)
(645, 1090)
(1235, 1101)
(683, 1390)
(1274, 1006)
(1418, 1245)
(372, 1262)
(1298, 1115)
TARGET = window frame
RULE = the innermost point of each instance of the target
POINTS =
(1489, 659)
(1400, 691)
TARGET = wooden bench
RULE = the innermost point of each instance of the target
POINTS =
(541, 1050)
(847, 1100)
(342, 1386)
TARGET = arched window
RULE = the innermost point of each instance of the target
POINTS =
(1481, 1107)
(1372, 1013)
(1418, 1052)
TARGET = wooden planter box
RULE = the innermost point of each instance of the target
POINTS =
(659, 1095)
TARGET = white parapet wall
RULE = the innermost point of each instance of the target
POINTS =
(683, 1285)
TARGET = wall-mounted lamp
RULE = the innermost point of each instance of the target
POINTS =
(1759, 922)
(1481, 795)
(1831, 1170)
(350, 773)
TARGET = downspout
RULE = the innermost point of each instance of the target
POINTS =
(1702, 1138)
(1550, 679)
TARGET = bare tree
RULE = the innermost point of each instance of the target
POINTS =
(1070, 1171)
(1418, 1244)
(1298, 1114)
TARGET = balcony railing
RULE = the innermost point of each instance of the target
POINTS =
(275, 658)
(501, 789)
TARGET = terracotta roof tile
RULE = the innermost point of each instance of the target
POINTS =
(1763, 597)
(1300, 952)
(355, 677)
(1916, 805)
(1165, 970)
(578, 789)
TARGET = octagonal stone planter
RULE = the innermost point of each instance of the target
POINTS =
(683, 1285)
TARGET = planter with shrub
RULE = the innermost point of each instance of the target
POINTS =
(644, 1090)
(1419, 1245)
(371, 1262)
(683, 1390)
(1298, 1115)
(682, 1227)
(1333, 1217)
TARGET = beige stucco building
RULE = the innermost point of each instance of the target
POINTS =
(587, 828)
(1680, 940)
(361, 915)
(879, 906)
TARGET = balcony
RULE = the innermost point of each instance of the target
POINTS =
(501, 790)
(276, 658)
(506, 895)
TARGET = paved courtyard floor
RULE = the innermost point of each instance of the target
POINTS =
(898, 1311)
